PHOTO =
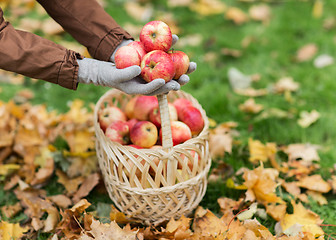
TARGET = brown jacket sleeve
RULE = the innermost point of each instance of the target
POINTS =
(34, 56)
(89, 24)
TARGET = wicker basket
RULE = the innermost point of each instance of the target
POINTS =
(154, 185)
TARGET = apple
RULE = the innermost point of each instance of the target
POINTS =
(181, 62)
(131, 123)
(135, 146)
(157, 64)
(129, 108)
(156, 35)
(139, 47)
(193, 118)
(118, 131)
(126, 56)
(180, 132)
(154, 115)
(190, 161)
(109, 114)
(143, 105)
(181, 103)
(144, 134)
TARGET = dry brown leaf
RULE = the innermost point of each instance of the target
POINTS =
(89, 183)
(80, 141)
(228, 204)
(10, 211)
(308, 118)
(60, 200)
(250, 106)
(52, 219)
(208, 7)
(179, 3)
(306, 152)
(299, 168)
(71, 185)
(118, 217)
(260, 12)
(286, 84)
(231, 52)
(306, 219)
(292, 188)
(179, 229)
(261, 152)
(315, 183)
(261, 184)
(306, 53)
(332, 183)
(251, 92)
(112, 231)
(236, 15)
(220, 141)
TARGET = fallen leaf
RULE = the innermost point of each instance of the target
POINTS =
(261, 152)
(228, 204)
(179, 3)
(307, 152)
(9, 231)
(139, 12)
(308, 118)
(101, 231)
(315, 183)
(238, 80)
(306, 53)
(251, 92)
(180, 229)
(323, 60)
(306, 219)
(208, 7)
(231, 52)
(60, 200)
(248, 214)
(220, 140)
(192, 40)
(318, 197)
(52, 219)
(286, 84)
(276, 211)
(236, 15)
(292, 188)
(89, 183)
(9, 211)
(250, 106)
(71, 184)
(332, 183)
(260, 12)
(261, 184)
(317, 9)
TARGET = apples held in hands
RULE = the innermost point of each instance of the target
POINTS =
(109, 114)
(139, 47)
(193, 118)
(126, 56)
(156, 35)
(144, 134)
(118, 131)
(157, 64)
(181, 62)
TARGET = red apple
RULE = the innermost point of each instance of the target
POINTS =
(181, 62)
(190, 161)
(154, 115)
(193, 118)
(132, 122)
(137, 45)
(127, 56)
(156, 35)
(129, 108)
(118, 131)
(180, 132)
(143, 105)
(181, 103)
(144, 134)
(157, 64)
(135, 146)
(109, 114)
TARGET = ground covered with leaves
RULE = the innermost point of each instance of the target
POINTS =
(265, 77)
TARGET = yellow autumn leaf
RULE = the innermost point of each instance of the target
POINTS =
(317, 9)
(80, 141)
(6, 169)
(261, 152)
(236, 15)
(9, 231)
(308, 220)
(231, 184)
(314, 183)
(250, 106)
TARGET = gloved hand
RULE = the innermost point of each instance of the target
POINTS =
(127, 79)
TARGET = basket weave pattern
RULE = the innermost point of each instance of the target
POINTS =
(153, 185)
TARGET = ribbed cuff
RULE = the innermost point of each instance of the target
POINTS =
(68, 72)
(109, 43)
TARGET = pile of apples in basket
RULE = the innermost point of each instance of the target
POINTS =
(138, 124)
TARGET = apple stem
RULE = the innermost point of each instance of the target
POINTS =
(167, 142)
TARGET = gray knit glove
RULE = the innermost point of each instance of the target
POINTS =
(171, 85)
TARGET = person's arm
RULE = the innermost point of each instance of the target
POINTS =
(89, 24)
(33, 56)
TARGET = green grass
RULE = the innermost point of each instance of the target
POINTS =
(270, 54)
